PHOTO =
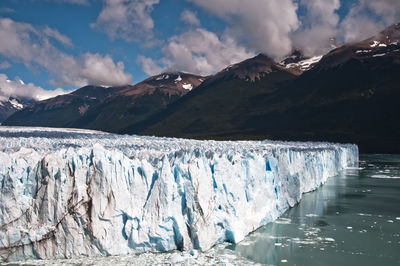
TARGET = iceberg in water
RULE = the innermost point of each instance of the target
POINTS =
(68, 193)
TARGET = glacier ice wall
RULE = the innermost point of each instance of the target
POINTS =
(69, 193)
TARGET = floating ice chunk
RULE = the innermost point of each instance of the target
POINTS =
(283, 221)
(364, 214)
(385, 177)
(379, 55)
(312, 215)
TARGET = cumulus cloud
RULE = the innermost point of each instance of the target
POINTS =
(102, 70)
(197, 51)
(263, 25)
(33, 47)
(356, 27)
(318, 27)
(149, 66)
(17, 88)
(368, 17)
(127, 19)
(387, 10)
(190, 18)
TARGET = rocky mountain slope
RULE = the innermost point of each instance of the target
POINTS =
(108, 109)
(218, 107)
(350, 95)
(10, 105)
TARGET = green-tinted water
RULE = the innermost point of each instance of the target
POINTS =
(354, 219)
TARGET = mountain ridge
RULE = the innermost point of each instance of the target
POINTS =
(338, 97)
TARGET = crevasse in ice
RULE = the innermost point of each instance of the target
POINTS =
(68, 193)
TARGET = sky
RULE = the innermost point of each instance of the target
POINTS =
(50, 47)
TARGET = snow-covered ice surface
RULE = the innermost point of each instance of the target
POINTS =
(70, 193)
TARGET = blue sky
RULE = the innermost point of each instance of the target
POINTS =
(66, 44)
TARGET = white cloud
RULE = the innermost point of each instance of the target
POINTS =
(190, 18)
(197, 51)
(33, 47)
(149, 66)
(356, 27)
(387, 10)
(102, 70)
(318, 26)
(17, 88)
(369, 17)
(264, 25)
(55, 34)
(127, 19)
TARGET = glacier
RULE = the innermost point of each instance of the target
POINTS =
(67, 193)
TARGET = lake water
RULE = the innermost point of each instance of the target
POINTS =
(354, 219)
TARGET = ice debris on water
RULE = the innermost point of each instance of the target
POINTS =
(68, 193)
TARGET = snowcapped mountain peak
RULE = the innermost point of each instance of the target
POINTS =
(10, 105)
(384, 45)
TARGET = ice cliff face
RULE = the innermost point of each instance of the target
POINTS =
(66, 193)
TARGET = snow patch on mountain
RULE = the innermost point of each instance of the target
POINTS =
(16, 104)
(306, 64)
(187, 86)
(162, 77)
(69, 193)
(375, 44)
(379, 55)
(179, 78)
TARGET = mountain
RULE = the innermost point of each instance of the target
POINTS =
(60, 111)
(132, 104)
(218, 108)
(350, 95)
(300, 63)
(107, 109)
(10, 105)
